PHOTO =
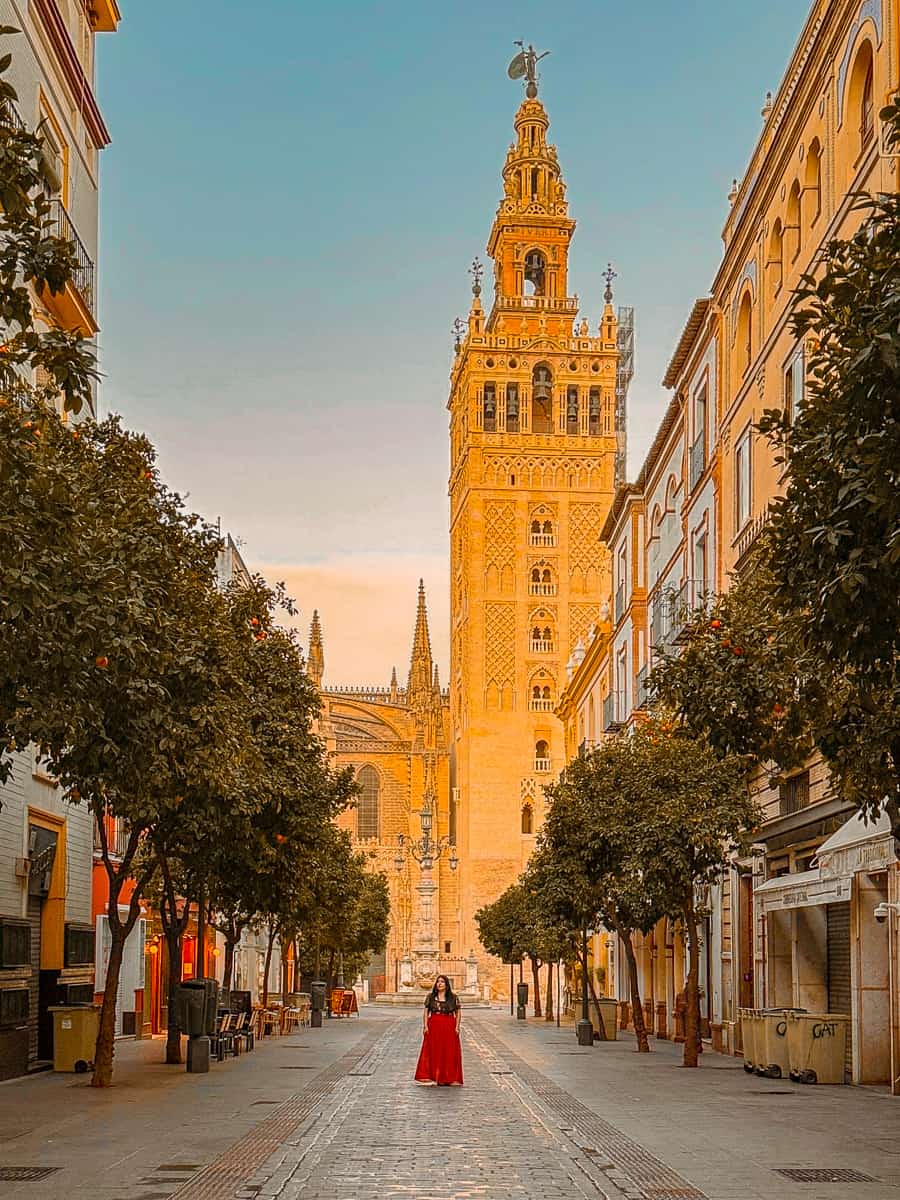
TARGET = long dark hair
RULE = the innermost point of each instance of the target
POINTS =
(431, 1000)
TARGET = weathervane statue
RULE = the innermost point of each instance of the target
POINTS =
(524, 65)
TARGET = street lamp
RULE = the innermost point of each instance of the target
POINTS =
(425, 850)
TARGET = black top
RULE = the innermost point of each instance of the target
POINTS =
(441, 1006)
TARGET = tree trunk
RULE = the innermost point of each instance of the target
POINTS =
(228, 967)
(270, 945)
(601, 1024)
(536, 978)
(200, 973)
(104, 1050)
(637, 1009)
(173, 1032)
(692, 993)
(106, 1035)
(548, 1006)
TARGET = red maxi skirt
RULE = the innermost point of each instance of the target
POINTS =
(440, 1060)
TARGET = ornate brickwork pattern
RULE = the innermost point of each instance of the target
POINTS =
(543, 471)
(581, 618)
(529, 791)
(499, 535)
(500, 645)
(585, 523)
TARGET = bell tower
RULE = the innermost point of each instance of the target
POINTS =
(533, 442)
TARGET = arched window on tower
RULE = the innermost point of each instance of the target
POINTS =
(535, 273)
(490, 408)
(512, 408)
(527, 819)
(367, 816)
(542, 755)
(572, 410)
(541, 399)
(594, 411)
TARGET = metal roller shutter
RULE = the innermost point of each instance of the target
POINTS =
(838, 943)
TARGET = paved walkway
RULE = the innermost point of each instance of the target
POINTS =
(333, 1114)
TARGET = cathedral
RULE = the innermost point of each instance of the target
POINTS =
(397, 742)
(452, 782)
(537, 421)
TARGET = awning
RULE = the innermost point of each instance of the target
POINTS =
(857, 846)
(803, 890)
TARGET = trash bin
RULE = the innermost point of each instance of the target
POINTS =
(521, 1000)
(75, 1028)
(317, 988)
(817, 1044)
(770, 1042)
(190, 1008)
(607, 1025)
(748, 1037)
(210, 1005)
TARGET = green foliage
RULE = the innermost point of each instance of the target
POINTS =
(734, 680)
(32, 257)
(834, 537)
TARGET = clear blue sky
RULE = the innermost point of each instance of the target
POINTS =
(291, 201)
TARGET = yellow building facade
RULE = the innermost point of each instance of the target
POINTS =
(397, 742)
(536, 434)
(791, 922)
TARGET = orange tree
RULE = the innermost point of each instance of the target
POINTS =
(641, 824)
(834, 537)
(583, 871)
(736, 679)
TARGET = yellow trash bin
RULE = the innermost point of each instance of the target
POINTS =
(75, 1028)
(609, 1011)
(748, 1037)
(771, 1044)
(817, 1044)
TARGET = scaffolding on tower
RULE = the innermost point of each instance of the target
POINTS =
(624, 374)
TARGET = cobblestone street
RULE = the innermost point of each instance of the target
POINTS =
(334, 1114)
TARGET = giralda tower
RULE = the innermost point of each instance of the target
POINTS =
(535, 438)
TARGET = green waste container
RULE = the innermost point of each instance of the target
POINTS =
(816, 1046)
(75, 1029)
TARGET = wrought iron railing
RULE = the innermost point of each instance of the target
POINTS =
(83, 274)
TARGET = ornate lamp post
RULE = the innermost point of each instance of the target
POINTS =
(426, 851)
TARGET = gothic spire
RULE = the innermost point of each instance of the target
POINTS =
(316, 659)
(421, 664)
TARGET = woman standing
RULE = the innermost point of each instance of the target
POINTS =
(440, 1061)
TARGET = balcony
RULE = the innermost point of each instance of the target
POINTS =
(697, 464)
(542, 766)
(74, 306)
(542, 589)
(10, 115)
(749, 537)
(620, 602)
(540, 705)
(542, 539)
(612, 712)
(659, 622)
(542, 646)
(793, 794)
(551, 304)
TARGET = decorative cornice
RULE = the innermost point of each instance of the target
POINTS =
(72, 71)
